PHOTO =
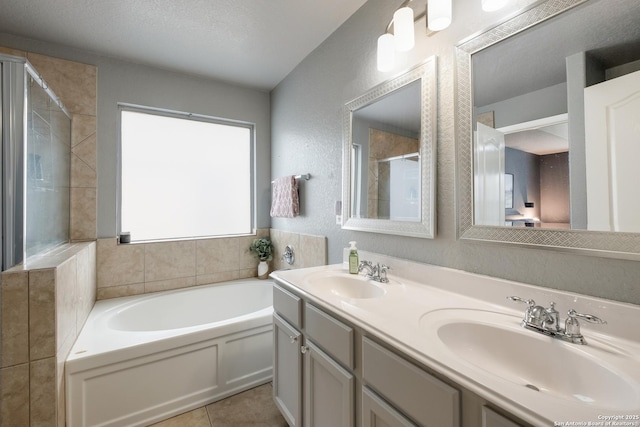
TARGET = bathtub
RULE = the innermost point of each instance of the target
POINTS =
(142, 359)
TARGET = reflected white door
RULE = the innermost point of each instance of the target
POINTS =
(405, 189)
(488, 169)
(612, 116)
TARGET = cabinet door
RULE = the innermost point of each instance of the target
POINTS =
(329, 391)
(378, 413)
(493, 419)
(287, 371)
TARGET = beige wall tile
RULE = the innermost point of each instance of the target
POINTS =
(217, 255)
(73, 82)
(42, 393)
(309, 250)
(246, 273)
(120, 291)
(14, 396)
(224, 276)
(169, 260)
(82, 127)
(169, 284)
(313, 251)
(82, 175)
(86, 151)
(42, 318)
(65, 309)
(14, 341)
(83, 214)
(119, 265)
(280, 241)
(86, 285)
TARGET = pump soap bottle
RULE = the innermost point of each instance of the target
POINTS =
(353, 258)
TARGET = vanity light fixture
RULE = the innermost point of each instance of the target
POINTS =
(400, 33)
(439, 14)
(493, 5)
(386, 52)
(403, 33)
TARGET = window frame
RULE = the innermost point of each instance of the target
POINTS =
(187, 116)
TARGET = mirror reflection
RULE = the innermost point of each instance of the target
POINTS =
(388, 160)
(386, 157)
(555, 116)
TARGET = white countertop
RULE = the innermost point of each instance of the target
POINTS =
(417, 291)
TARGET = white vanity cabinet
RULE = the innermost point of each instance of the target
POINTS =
(287, 366)
(426, 399)
(313, 385)
(328, 372)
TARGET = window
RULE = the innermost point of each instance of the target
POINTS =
(184, 176)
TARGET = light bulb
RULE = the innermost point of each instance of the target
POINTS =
(403, 29)
(439, 14)
(493, 5)
(386, 53)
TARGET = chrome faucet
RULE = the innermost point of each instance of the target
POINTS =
(547, 321)
(377, 272)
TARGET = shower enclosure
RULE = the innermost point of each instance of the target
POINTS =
(35, 159)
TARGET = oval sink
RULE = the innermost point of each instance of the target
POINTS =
(496, 344)
(345, 285)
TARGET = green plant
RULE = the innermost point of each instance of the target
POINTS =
(262, 248)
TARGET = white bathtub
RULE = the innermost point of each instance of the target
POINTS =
(146, 358)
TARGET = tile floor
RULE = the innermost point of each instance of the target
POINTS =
(254, 408)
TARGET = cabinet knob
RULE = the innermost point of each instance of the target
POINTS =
(304, 349)
(293, 339)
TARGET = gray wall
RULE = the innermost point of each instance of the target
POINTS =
(307, 137)
(120, 81)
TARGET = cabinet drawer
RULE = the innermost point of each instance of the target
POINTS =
(426, 399)
(330, 334)
(288, 306)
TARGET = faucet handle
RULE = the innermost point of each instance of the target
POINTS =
(572, 326)
(588, 317)
(529, 302)
(383, 271)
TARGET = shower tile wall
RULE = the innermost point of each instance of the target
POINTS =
(44, 306)
(76, 85)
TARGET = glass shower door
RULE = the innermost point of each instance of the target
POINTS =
(48, 158)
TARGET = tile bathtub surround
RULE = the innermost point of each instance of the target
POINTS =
(309, 250)
(76, 85)
(138, 268)
(44, 306)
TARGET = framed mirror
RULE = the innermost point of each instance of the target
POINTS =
(388, 157)
(534, 111)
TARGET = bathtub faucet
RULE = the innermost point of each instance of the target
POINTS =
(377, 272)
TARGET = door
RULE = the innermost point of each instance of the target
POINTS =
(329, 391)
(612, 150)
(488, 170)
(287, 371)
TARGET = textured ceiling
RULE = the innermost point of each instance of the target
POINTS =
(255, 43)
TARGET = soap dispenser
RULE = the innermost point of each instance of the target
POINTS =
(353, 258)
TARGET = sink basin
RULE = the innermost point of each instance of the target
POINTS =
(344, 285)
(496, 344)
